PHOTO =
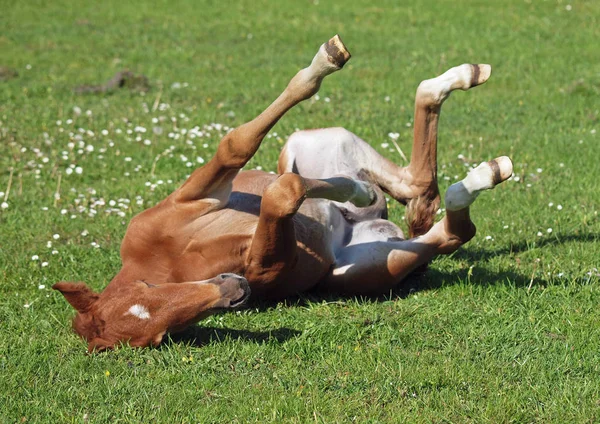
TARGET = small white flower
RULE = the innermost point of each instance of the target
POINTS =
(559, 207)
(386, 98)
(26, 306)
(549, 230)
(505, 227)
(393, 135)
(55, 252)
(147, 142)
(79, 170)
(539, 233)
(539, 170)
(550, 204)
(56, 236)
(488, 237)
(41, 286)
(385, 145)
(76, 110)
(35, 257)
(4, 205)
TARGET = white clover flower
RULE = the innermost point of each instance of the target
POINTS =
(393, 135)
(35, 257)
(4, 205)
(559, 207)
(549, 230)
(44, 264)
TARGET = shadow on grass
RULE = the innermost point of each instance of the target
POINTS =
(200, 336)
(431, 279)
(477, 254)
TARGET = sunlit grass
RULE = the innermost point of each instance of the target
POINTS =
(505, 330)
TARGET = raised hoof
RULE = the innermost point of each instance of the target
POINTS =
(364, 195)
(502, 169)
(480, 74)
(486, 176)
(336, 51)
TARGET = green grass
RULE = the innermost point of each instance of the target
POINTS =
(505, 330)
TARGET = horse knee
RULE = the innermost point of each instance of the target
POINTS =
(284, 196)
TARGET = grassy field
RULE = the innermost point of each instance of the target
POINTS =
(505, 330)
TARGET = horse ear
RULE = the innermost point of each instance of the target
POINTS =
(79, 295)
(98, 344)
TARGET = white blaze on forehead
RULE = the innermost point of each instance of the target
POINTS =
(139, 311)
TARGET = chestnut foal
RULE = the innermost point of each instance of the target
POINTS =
(321, 222)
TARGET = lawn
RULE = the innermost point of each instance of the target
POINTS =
(507, 329)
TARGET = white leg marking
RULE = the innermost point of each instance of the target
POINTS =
(463, 193)
(139, 311)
